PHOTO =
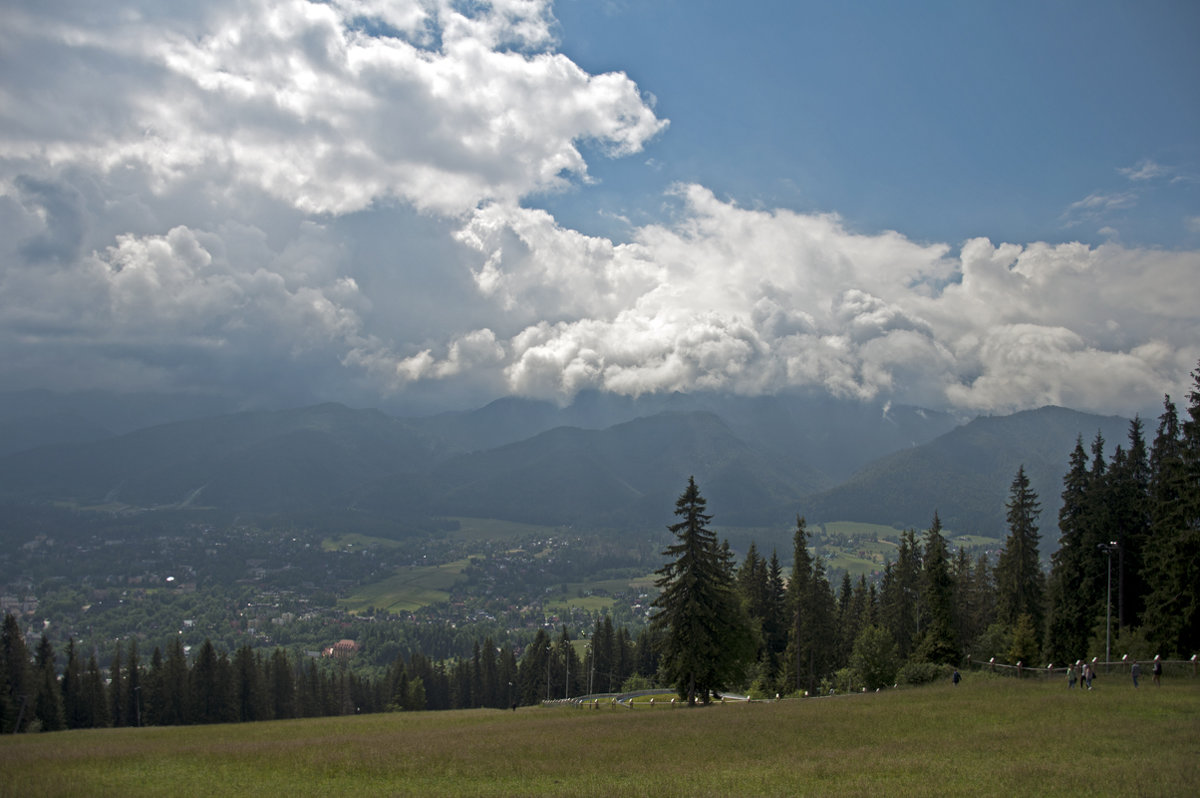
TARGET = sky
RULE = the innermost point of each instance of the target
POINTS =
(428, 204)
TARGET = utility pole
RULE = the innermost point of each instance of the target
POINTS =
(1107, 548)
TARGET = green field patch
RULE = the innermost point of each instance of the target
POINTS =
(409, 589)
(974, 541)
(855, 565)
(857, 529)
(354, 542)
(986, 737)
(586, 603)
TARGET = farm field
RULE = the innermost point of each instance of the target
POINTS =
(409, 589)
(989, 736)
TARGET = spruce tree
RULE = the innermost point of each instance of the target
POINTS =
(1172, 568)
(938, 638)
(900, 595)
(705, 642)
(1020, 583)
(1071, 599)
(133, 683)
(16, 678)
(49, 704)
(72, 688)
(813, 611)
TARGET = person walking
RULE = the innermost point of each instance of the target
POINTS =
(1157, 671)
(1135, 671)
(1071, 676)
(1088, 674)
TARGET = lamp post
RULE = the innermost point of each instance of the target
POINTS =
(1107, 548)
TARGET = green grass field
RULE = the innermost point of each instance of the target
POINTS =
(988, 736)
(409, 589)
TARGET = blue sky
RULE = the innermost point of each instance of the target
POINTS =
(428, 204)
(942, 120)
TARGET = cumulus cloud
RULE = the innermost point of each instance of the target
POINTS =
(326, 106)
(757, 301)
(209, 197)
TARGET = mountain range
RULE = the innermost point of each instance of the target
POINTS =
(601, 462)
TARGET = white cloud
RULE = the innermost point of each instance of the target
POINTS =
(755, 301)
(1144, 170)
(207, 197)
(299, 100)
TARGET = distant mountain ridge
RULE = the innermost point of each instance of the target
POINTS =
(603, 462)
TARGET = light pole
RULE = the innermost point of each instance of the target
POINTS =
(1107, 548)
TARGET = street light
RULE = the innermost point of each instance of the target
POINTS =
(1108, 548)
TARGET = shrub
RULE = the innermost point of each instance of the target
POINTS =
(922, 673)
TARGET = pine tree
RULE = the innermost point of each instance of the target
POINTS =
(72, 688)
(49, 704)
(1172, 567)
(133, 683)
(94, 696)
(1070, 597)
(938, 638)
(900, 595)
(16, 678)
(534, 670)
(812, 606)
(282, 685)
(706, 639)
(117, 689)
(176, 709)
(1020, 583)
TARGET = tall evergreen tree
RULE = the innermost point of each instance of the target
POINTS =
(16, 678)
(812, 606)
(72, 688)
(706, 641)
(1071, 596)
(94, 696)
(133, 684)
(939, 641)
(176, 702)
(1020, 583)
(282, 686)
(117, 689)
(49, 705)
(900, 595)
(1172, 566)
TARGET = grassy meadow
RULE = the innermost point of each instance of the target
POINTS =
(408, 589)
(989, 736)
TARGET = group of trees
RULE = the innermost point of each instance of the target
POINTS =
(171, 689)
(1131, 527)
(210, 686)
(1135, 520)
(719, 625)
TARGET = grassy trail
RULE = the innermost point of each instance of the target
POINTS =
(988, 736)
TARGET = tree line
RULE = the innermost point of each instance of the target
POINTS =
(1129, 529)
(1129, 553)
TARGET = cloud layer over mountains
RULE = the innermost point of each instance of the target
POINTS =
(281, 200)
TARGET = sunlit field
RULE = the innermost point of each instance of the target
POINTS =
(988, 736)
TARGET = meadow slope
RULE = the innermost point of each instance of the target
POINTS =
(989, 736)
